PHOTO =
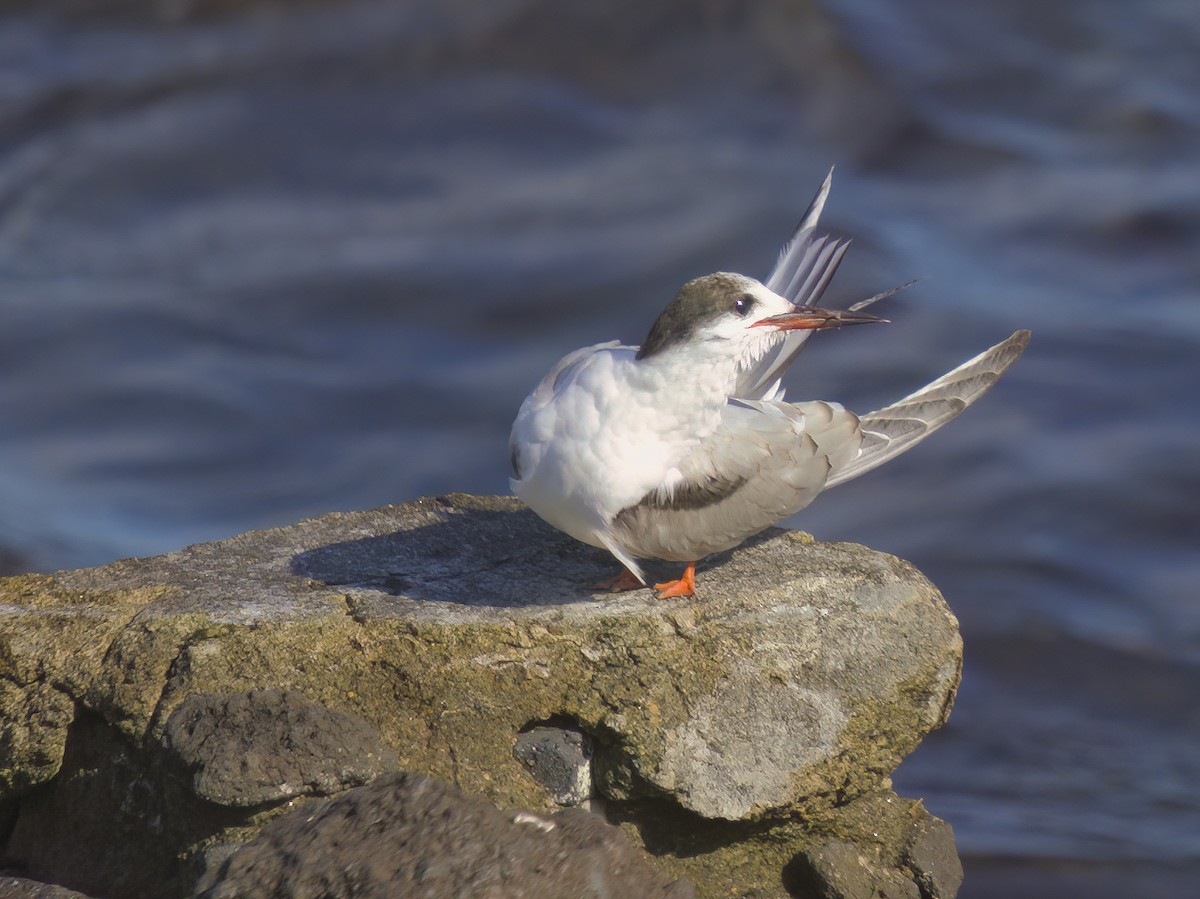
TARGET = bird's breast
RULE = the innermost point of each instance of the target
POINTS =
(609, 434)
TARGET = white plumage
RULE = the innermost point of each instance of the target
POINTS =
(684, 446)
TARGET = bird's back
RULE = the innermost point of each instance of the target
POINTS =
(768, 460)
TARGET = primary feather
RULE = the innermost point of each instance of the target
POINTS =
(889, 431)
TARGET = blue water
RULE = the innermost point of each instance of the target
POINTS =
(268, 264)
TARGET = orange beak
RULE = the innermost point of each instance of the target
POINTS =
(810, 318)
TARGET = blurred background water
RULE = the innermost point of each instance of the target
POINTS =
(260, 261)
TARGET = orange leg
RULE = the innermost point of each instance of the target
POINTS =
(626, 580)
(685, 586)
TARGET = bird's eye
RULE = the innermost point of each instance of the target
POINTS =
(743, 305)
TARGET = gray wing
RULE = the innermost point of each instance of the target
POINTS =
(766, 461)
(890, 431)
(803, 271)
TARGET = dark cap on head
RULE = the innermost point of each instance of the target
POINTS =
(699, 301)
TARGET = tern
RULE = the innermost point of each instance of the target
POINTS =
(684, 447)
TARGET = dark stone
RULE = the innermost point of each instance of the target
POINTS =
(560, 759)
(267, 745)
(933, 858)
(20, 888)
(207, 862)
(409, 835)
(846, 871)
(112, 823)
(879, 846)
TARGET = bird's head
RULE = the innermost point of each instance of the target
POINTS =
(735, 316)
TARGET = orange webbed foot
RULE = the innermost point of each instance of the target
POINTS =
(685, 586)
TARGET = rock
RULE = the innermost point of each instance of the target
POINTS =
(20, 888)
(33, 730)
(843, 871)
(249, 748)
(560, 759)
(408, 835)
(932, 857)
(113, 821)
(795, 682)
(878, 847)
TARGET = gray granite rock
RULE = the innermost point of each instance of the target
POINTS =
(795, 681)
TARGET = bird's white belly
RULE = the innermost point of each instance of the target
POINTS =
(600, 444)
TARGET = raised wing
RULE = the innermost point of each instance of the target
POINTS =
(900, 426)
(766, 461)
(804, 269)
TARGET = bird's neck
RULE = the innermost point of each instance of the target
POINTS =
(701, 375)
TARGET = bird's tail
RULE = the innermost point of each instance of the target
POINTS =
(890, 431)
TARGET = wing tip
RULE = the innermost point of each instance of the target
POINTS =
(813, 213)
(1009, 350)
(1018, 338)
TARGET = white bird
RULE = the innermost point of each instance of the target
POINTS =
(684, 447)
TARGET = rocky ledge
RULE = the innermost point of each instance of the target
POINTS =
(156, 714)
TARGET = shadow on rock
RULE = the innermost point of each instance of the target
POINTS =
(475, 556)
(497, 554)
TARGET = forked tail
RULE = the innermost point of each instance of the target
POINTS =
(892, 430)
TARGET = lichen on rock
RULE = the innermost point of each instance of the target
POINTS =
(794, 683)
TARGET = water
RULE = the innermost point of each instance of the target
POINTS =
(268, 264)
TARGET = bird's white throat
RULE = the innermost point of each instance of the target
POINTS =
(707, 369)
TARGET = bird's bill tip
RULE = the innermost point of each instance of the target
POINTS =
(813, 319)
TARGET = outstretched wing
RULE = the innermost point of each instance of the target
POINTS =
(766, 461)
(805, 266)
(900, 426)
